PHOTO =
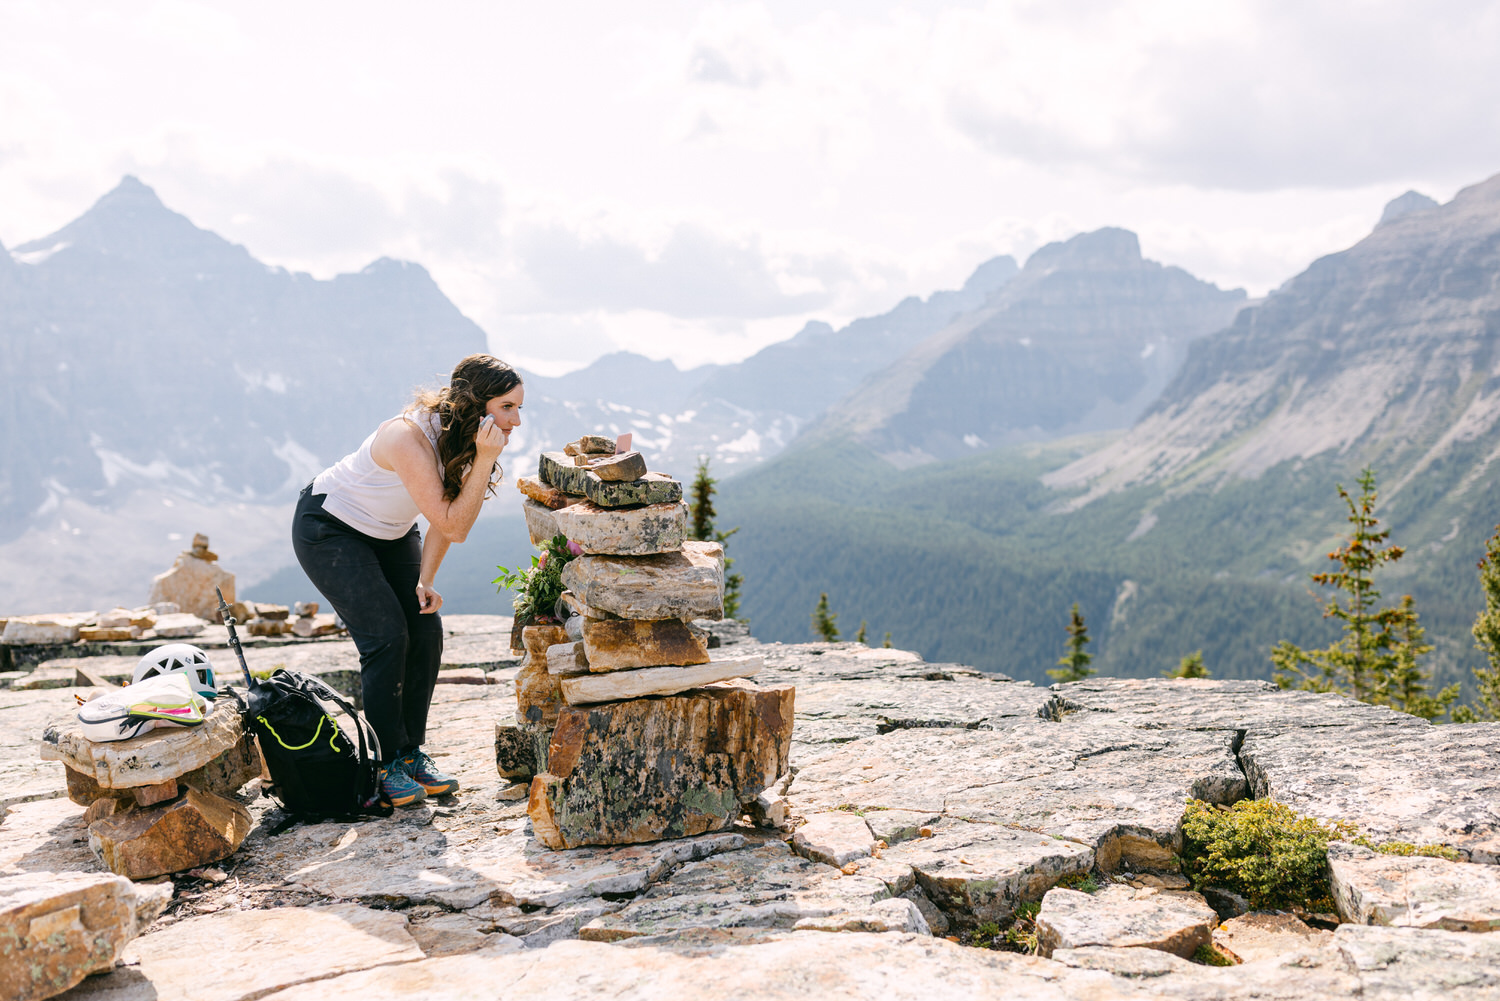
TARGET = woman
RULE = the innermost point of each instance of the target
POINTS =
(355, 534)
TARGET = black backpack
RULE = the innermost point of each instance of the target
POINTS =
(316, 770)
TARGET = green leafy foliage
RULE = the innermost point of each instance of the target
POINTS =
(1486, 630)
(1191, 666)
(703, 529)
(1074, 663)
(1377, 658)
(538, 586)
(1017, 934)
(1261, 849)
(825, 622)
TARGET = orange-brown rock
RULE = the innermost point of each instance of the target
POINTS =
(548, 496)
(538, 697)
(621, 644)
(57, 928)
(195, 829)
(670, 767)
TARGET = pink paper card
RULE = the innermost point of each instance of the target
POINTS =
(622, 443)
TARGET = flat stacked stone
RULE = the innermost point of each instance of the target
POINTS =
(161, 802)
(665, 748)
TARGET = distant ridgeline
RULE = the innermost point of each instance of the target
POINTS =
(139, 350)
(1199, 526)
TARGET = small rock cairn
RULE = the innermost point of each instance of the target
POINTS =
(161, 802)
(629, 731)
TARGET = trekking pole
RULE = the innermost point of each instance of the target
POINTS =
(234, 639)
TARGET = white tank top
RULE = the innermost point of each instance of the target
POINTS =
(370, 499)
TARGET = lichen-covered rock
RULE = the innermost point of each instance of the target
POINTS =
(688, 584)
(634, 531)
(150, 759)
(538, 697)
(620, 468)
(193, 830)
(621, 644)
(57, 928)
(652, 488)
(659, 768)
(585, 688)
(1118, 916)
(980, 872)
(1411, 891)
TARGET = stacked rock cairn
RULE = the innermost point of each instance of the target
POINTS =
(164, 801)
(629, 730)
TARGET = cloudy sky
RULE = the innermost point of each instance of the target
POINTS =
(695, 180)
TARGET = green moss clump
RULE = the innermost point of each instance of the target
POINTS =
(1083, 882)
(1407, 848)
(1208, 955)
(1263, 850)
(1016, 935)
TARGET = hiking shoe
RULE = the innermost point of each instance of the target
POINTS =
(422, 768)
(398, 785)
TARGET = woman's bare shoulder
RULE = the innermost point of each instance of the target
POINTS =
(401, 433)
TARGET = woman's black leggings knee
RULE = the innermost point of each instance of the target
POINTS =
(372, 583)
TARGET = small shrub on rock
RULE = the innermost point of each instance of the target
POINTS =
(1263, 850)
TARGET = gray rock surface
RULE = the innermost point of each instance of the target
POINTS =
(1121, 917)
(1414, 892)
(986, 792)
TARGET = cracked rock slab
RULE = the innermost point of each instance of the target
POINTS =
(763, 887)
(233, 955)
(1120, 917)
(468, 863)
(1398, 964)
(150, 759)
(1118, 788)
(1412, 782)
(980, 872)
(1415, 892)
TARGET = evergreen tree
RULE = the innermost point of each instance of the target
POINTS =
(1191, 666)
(825, 622)
(1376, 660)
(703, 529)
(1074, 664)
(1487, 640)
(859, 637)
(887, 644)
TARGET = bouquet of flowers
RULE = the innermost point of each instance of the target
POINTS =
(539, 586)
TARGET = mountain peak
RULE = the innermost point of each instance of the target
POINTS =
(992, 274)
(1412, 201)
(1107, 249)
(130, 222)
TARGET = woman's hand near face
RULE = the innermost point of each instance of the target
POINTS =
(489, 442)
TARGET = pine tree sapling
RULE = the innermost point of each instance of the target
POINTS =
(1191, 666)
(1376, 659)
(887, 644)
(1074, 664)
(859, 637)
(1487, 639)
(825, 622)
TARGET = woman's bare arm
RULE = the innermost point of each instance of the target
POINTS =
(402, 448)
(434, 548)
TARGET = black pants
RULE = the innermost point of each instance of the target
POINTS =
(372, 584)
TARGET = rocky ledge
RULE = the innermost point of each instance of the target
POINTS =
(923, 801)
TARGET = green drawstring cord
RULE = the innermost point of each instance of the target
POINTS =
(331, 737)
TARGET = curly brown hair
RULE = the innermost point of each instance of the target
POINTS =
(459, 406)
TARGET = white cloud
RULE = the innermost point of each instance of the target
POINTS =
(691, 180)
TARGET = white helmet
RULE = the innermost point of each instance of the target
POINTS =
(179, 658)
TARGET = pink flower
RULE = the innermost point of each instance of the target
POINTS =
(575, 548)
(541, 562)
